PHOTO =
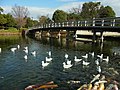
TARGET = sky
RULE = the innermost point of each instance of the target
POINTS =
(38, 8)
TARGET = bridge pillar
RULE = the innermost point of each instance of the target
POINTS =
(101, 36)
(75, 35)
(94, 36)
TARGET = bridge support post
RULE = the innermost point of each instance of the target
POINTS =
(101, 36)
(75, 35)
(67, 35)
(94, 36)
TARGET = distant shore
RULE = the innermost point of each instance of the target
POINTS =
(114, 34)
(10, 31)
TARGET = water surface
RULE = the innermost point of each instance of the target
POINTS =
(16, 73)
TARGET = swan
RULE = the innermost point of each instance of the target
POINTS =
(86, 56)
(18, 46)
(25, 57)
(97, 62)
(106, 59)
(76, 59)
(85, 63)
(100, 56)
(26, 48)
(67, 65)
(44, 64)
(26, 51)
(99, 69)
(33, 53)
(13, 49)
(66, 56)
(0, 50)
(49, 53)
(48, 59)
(68, 62)
(92, 54)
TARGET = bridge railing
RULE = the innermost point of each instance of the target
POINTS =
(111, 22)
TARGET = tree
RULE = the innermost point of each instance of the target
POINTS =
(10, 20)
(20, 14)
(75, 10)
(59, 16)
(3, 21)
(44, 19)
(29, 22)
(73, 17)
(1, 10)
(74, 14)
(106, 12)
(90, 10)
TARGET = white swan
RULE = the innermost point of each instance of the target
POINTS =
(97, 62)
(48, 59)
(76, 59)
(66, 56)
(26, 48)
(33, 53)
(85, 63)
(13, 49)
(0, 50)
(106, 59)
(92, 54)
(49, 53)
(68, 61)
(44, 64)
(67, 65)
(100, 56)
(26, 51)
(99, 69)
(18, 46)
(25, 57)
(86, 56)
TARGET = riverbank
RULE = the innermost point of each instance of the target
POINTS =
(11, 31)
(114, 34)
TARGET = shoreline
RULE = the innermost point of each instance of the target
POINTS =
(112, 34)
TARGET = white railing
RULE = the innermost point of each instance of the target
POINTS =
(103, 22)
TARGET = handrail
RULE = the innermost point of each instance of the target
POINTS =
(103, 22)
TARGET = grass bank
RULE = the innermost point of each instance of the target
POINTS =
(11, 31)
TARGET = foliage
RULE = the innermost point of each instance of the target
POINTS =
(75, 10)
(73, 17)
(90, 10)
(29, 22)
(106, 12)
(1, 10)
(59, 16)
(20, 14)
(10, 20)
(44, 19)
(3, 21)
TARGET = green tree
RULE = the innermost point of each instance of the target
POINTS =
(1, 10)
(59, 16)
(74, 17)
(29, 22)
(44, 19)
(90, 10)
(10, 20)
(106, 12)
(3, 21)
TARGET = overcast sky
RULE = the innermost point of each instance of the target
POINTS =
(44, 7)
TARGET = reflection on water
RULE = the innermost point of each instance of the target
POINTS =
(16, 73)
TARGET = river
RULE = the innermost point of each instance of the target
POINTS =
(16, 73)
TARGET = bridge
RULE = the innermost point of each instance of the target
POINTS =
(94, 25)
